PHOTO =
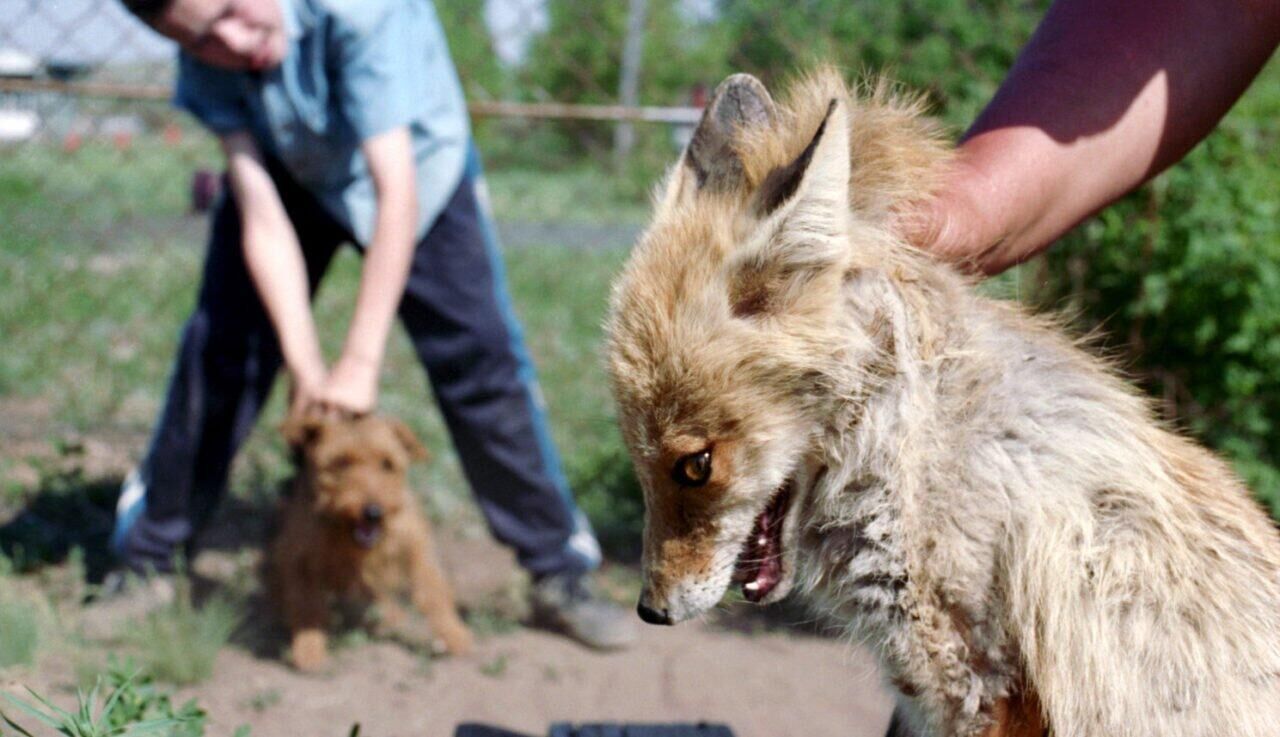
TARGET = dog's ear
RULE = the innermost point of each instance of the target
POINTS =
(417, 451)
(804, 209)
(710, 161)
(301, 429)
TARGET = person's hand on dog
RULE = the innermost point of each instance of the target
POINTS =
(305, 388)
(350, 387)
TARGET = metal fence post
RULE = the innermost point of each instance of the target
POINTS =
(624, 135)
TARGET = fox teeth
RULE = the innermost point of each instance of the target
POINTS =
(752, 586)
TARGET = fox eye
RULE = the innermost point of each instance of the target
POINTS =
(388, 465)
(693, 469)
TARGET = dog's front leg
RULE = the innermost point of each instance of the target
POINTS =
(432, 595)
(305, 614)
(391, 616)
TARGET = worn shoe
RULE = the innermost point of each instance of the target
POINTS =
(569, 603)
(124, 597)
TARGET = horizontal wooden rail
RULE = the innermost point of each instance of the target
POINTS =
(481, 109)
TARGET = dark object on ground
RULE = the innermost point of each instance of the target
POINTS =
(605, 730)
(67, 512)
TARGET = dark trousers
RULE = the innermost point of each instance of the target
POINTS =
(456, 310)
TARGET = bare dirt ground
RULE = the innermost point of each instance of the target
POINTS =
(753, 670)
(763, 686)
(773, 683)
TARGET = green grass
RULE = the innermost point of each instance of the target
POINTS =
(496, 667)
(19, 630)
(573, 196)
(179, 643)
(131, 705)
(101, 264)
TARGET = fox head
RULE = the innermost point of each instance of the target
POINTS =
(739, 321)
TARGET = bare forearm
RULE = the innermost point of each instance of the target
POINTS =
(1106, 95)
(390, 253)
(278, 271)
(382, 283)
(274, 258)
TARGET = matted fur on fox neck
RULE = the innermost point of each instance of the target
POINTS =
(986, 504)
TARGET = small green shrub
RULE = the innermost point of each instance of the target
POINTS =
(141, 701)
(179, 643)
(19, 630)
(132, 706)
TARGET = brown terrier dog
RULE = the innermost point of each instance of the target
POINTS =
(350, 530)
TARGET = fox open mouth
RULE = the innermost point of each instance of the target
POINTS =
(759, 566)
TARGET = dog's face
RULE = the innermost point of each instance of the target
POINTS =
(356, 470)
(716, 325)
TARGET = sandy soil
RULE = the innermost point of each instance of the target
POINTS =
(737, 668)
(775, 682)
(762, 686)
(742, 667)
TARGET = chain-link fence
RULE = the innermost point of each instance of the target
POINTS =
(552, 83)
(603, 89)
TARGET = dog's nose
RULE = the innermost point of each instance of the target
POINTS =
(651, 615)
(372, 513)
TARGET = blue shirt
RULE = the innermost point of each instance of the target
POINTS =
(353, 69)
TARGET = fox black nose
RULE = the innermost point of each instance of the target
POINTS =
(651, 615)
(372, 513)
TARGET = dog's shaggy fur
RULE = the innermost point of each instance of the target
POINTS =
(350, 530)
(811, 403)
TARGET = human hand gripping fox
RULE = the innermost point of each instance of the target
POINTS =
(811, 404)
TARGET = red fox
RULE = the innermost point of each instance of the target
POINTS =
(813, 405)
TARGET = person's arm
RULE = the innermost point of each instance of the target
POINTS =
(1106, 95)
(353, 382)
(276, 266)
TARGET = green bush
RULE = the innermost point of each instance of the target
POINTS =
(609, 493)
(1184, 277)
(956, 50)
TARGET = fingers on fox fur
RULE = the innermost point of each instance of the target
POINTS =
(986, 504)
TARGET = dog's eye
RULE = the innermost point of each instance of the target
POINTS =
(388, 465)
(341, 463)
(693, 469)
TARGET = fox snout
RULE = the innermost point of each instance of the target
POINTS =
(649, 613)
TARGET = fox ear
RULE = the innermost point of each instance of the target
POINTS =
(805, 208)
(818, 178)
(710, 162)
